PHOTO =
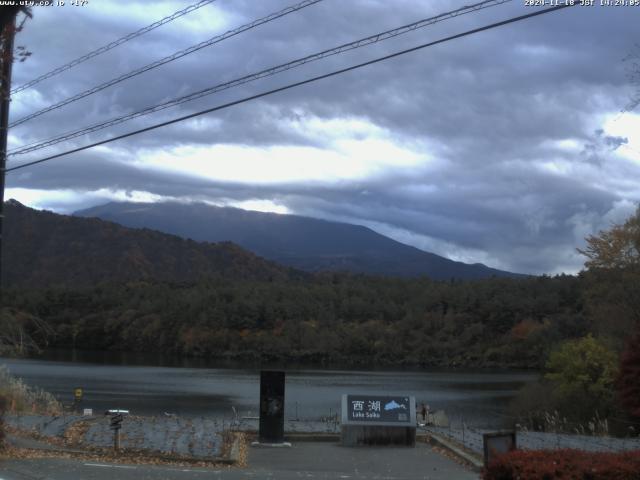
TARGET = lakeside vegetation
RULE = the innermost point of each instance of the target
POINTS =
(330, 318)
(592, 383)
(18, 397)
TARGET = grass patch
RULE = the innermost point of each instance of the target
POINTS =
(21, 398)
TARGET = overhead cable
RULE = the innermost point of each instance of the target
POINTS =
(112, 45)
(293, 85)
(170, 58)
(258, 75)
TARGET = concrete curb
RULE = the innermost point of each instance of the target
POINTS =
(302, 436)
(476, 463)
(312, 437)
(271, 445)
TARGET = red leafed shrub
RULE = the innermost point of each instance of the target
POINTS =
(628, 381)
(564, 464)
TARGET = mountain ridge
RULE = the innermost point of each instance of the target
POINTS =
(300, 242)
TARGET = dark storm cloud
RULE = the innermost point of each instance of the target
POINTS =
(461, 86)
(489, 106)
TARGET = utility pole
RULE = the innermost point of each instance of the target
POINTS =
(8, 34)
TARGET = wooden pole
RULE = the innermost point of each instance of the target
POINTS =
(8, 34)
(116, 439)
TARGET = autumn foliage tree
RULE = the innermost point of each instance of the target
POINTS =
(618, 247)
(613, 280)
(614, 272)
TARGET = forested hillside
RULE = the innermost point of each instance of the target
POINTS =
(331, 318)
(43, 248)
(90, 284)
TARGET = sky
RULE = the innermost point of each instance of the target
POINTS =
(506, 147)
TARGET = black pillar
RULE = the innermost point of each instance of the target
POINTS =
(271, 407)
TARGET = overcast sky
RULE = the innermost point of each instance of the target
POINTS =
(506, 147)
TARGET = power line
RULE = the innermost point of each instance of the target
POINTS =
(294, 85)
(170, 58)
(258, 75)
(112, 45)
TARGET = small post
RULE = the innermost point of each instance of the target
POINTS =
(116, 425)
(462, 430)
(77, 399)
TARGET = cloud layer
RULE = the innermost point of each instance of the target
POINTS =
(505, 147)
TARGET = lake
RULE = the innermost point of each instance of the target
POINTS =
(155, 385)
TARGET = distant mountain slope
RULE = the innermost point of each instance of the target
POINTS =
(301, 242)
(43, 248)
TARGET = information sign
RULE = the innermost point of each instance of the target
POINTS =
(374, 408)
(497, 443)
(378, 420)
(116, 421)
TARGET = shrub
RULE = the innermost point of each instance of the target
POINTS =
(628, 381)
(564, 464)
(3, 404)
(19, 397)
(582, 374)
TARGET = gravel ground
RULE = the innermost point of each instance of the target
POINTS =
(201, 437)
(197, 437)
(43, 424)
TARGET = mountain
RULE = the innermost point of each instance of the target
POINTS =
(305, 243)
(42, 248)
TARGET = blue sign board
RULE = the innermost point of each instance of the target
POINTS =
(376, 408)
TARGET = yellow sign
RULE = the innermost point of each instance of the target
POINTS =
(77, 393)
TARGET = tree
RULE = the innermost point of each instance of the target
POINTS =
(628, 381)
(582, 373)
(613, 280)
(615, 248)
(22, 333)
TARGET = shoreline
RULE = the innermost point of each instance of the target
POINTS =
(249, 361)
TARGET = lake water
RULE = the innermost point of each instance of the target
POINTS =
(153, 386)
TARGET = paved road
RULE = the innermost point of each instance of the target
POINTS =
(314, 461)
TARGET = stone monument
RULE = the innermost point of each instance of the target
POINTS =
(271, 408)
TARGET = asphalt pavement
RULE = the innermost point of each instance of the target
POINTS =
(304, 460)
